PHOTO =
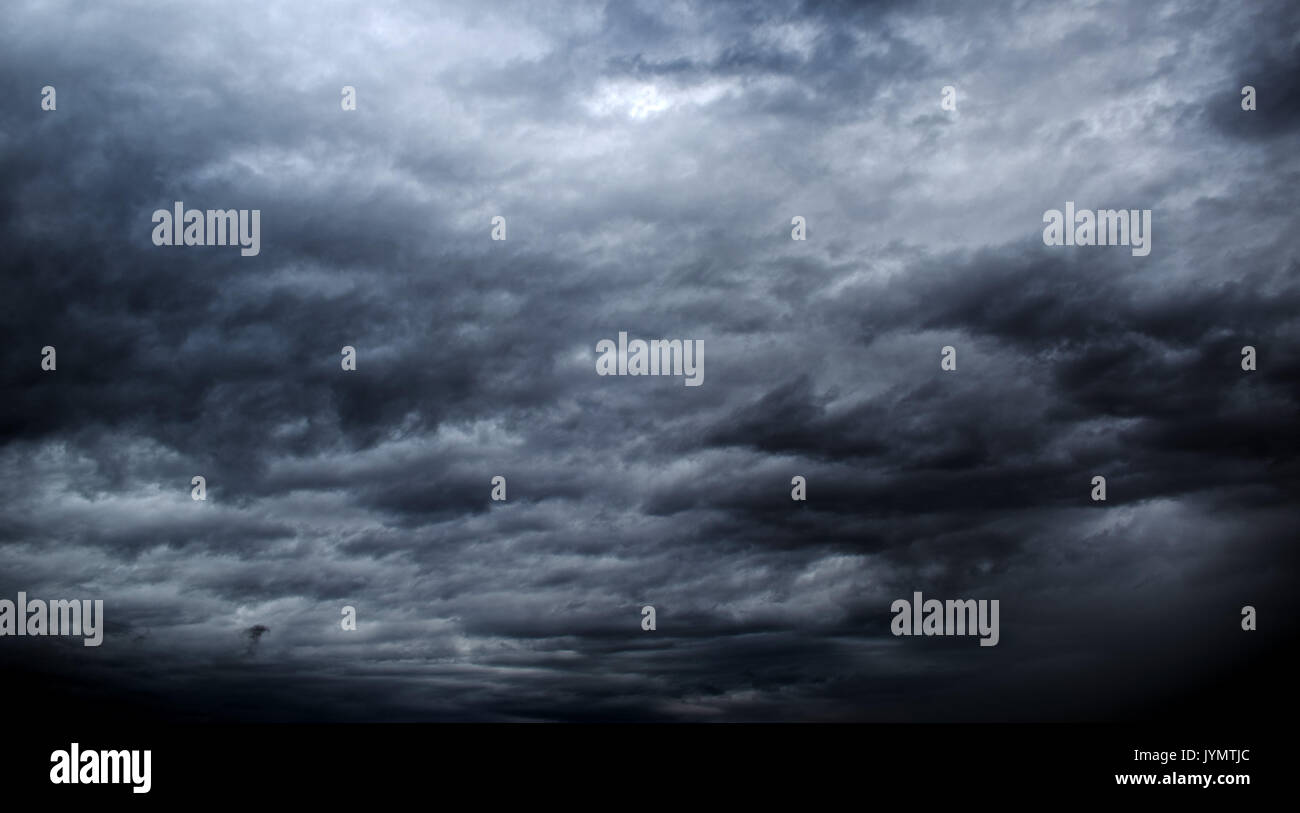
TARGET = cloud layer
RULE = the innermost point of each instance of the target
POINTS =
(649, 159)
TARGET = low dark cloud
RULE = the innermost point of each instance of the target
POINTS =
(254, 634)
(649, 164)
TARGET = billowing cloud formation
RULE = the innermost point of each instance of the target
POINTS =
(649, 163)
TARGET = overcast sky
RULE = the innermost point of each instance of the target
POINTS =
(648, 158)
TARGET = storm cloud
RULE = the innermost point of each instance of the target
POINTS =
(648, 160)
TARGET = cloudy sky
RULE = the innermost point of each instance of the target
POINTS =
(648, 158)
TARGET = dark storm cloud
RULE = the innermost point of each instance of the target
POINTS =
(254, 634)
(1269, 65)
(649, 164)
